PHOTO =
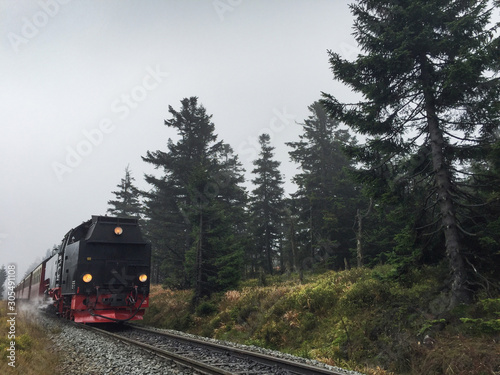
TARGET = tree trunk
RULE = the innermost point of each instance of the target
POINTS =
(269, 255)
(359, 233)
(282, 256)
(443, 181)
(199, 268)
(293, 245)
(311, 229)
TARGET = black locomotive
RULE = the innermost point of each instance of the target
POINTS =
(100, 273)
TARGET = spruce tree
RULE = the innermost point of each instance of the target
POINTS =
(167, 203)
(429, 102)
(167, 227)
(290, 236)
(195, 209)
(484, 180)
(127, 202)
(326, 196)
(266, 206)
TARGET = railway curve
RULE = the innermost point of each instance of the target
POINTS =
(207, 357)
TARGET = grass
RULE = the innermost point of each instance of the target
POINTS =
(33, 356)
(362, 319)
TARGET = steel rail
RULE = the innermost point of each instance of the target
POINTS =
(192, 364)
(284, 364)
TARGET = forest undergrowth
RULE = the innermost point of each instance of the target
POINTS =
(32, 354)
(370, 320)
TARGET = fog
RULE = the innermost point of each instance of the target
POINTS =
(86, 85)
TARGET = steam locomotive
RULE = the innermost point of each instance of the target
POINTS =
(99, 274)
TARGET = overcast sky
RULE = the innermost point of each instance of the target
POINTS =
(85, 87)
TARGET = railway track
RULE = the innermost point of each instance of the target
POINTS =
(205, 357)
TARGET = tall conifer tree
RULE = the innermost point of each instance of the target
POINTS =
(425, 74)
(127, 202)
(195, 209)
(326, 196)
(267, 206)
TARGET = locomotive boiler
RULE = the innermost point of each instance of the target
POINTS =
(100, 273)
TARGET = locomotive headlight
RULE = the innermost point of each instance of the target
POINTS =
(87, 278)
(118, 231)
(143, 278)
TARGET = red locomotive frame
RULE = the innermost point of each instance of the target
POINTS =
(99, 274)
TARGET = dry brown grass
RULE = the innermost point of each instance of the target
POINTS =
(376, 371)
(33, 354)
(458, 355)
(231, 297)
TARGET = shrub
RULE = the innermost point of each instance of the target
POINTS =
(365, 319)
(365, 294)
(488, 326)
(205, 309)
(491, 306)
(456, 355)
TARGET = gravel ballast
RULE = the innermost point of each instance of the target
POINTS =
(257, 349)
(83, 352)
(86, 353)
